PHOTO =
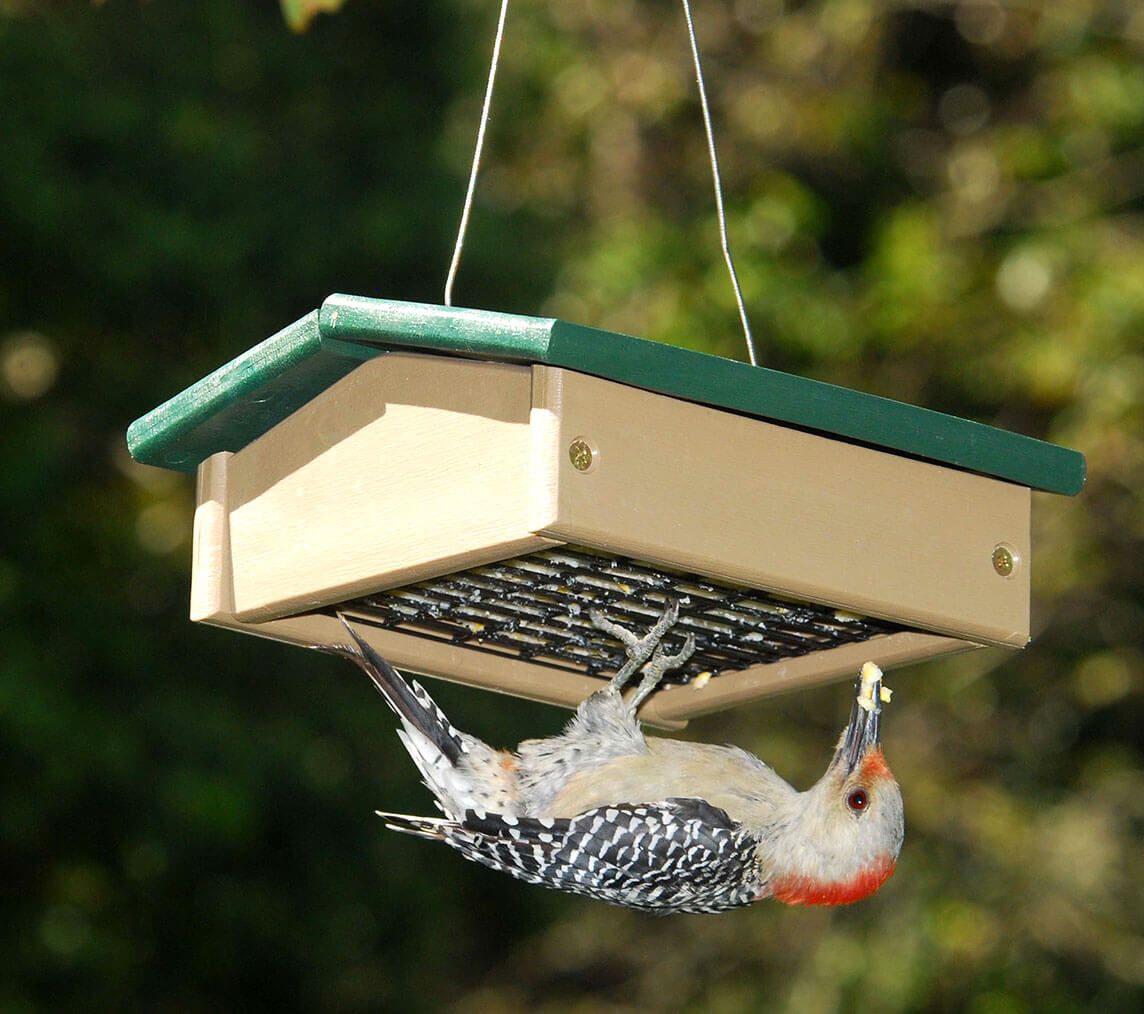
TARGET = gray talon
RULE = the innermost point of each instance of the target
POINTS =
(640, 649)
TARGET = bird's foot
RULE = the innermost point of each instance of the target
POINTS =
(640, 649)
(660, 664)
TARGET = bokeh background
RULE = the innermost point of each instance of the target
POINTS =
(938, 201)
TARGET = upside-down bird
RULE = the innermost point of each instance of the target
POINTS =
(651, 823)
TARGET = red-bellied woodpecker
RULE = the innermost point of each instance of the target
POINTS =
(654, 824)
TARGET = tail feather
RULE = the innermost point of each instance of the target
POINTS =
(462, 772)
(412, 704)
(421, 827)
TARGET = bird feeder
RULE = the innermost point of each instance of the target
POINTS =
(470, 486)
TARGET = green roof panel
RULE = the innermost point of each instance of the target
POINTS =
(245, 398)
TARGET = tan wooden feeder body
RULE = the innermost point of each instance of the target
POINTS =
(382, 447)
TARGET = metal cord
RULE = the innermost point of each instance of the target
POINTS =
(716, 176)
(717, 183)
(468, 206)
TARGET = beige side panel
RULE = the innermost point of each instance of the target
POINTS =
(408, 467)
(434, 658)
(679, 703)
(212, 586)
(670, 708)
(772, 507)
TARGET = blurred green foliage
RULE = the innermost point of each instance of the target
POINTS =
(939, 201)
(299, 13)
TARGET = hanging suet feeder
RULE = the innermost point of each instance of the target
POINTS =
(471, 485)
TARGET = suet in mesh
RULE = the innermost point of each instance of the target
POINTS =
(537, 608)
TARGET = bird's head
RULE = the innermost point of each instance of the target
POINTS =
(847, 832)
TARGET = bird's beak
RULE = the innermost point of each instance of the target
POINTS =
(863, 732)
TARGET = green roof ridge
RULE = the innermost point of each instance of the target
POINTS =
(249, 395)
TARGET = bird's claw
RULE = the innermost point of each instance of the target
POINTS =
(661, 663)
(640, 649)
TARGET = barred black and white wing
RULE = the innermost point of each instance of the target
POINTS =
(678, 855)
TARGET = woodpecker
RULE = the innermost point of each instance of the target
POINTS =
(653, 824)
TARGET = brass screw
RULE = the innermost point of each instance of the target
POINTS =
(581, 454)
(1004, 561)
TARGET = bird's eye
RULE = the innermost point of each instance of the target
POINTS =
(857, 800)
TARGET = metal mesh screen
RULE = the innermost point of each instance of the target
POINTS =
(537, 608)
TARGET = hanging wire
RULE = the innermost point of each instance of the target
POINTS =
(717, 183)
(716, 176)
(468, 207)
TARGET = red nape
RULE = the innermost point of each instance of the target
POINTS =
(804, 891)
(874, 766)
